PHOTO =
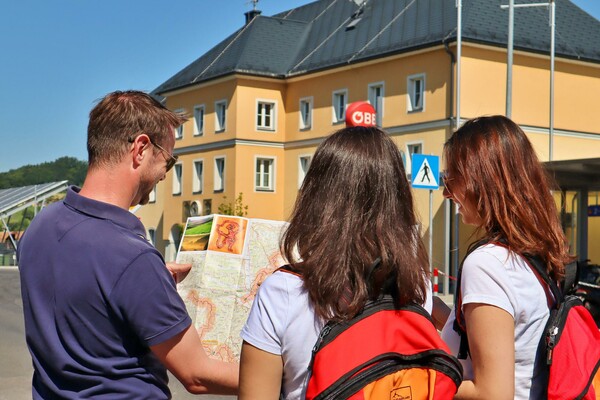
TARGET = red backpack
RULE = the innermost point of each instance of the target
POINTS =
(570, 344)
(384, 352)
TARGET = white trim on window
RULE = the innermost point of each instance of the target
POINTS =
(199, 114)
(198, 176)
(412, 148)
(264, 173)
(266, 115)
(339, 102)
(305, 113)
(151, 236)
(179, 129)
(377, 91)
(219, 170)
(415, 87)
(152, 195)
(220, 116)
(304, 161)
(177, 178)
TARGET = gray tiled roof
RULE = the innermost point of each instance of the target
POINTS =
(315, 36)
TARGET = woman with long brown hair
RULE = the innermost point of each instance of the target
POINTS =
(355, 206)
(496, 180)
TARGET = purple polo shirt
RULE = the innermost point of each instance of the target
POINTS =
(96, 295)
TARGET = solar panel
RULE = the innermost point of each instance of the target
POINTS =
(15, 199)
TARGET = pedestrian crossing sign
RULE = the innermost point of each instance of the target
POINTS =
(425, 172)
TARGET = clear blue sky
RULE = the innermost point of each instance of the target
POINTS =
(59, 56)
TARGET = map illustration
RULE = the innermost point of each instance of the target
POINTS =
(230, 258)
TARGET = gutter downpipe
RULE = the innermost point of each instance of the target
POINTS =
(447, 203)
(509, 57)
(552, 55)
(457, 120)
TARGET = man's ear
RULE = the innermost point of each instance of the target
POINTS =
(140, 149)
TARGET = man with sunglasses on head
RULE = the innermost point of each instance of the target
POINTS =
(102, 314)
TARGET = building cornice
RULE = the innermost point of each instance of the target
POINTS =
(221, 79)
(225, 144)
(525, 53)
(391, 130)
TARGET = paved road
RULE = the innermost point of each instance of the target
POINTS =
(15, 363)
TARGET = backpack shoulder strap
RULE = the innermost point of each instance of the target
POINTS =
(538, 268)
(572, 274)
(459, 321)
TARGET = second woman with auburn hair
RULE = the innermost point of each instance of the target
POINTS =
(500, 187)
(355, 206)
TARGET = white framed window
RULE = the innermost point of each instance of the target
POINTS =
(306, 106)
(152, 236)
(376, 96)
(339, 103)
(412, 148)
(179, 129)
(416, 93)
(264, 174)
(152, 195)
(177, 178)
(266, 115)
(219, 174)
(198, 176)
(303, 165)
(220, 115)
(199, 120)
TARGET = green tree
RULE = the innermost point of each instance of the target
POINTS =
(64, 168)
(237, 207)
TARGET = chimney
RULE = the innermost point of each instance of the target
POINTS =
(251, 14)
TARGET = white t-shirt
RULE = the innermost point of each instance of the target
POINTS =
(491, 275)
(282, 321)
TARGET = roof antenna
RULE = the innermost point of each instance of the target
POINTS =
(250, 15)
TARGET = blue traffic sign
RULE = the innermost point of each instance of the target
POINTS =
(425, 172)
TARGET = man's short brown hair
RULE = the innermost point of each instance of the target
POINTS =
(122, 115)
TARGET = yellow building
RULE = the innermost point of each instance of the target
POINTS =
(262, 100)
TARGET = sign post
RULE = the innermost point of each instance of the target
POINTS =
(425, 174)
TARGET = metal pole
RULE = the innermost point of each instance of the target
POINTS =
(458, 57)
(552, 34)
(454, 246)
(447, 211)
(509, 60)
(10, 236)
(431, 231)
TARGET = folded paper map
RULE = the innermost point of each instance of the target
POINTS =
(230, 257)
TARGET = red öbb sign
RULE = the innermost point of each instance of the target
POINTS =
(360, 113)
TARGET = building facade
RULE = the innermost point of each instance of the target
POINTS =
(261, 101)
